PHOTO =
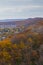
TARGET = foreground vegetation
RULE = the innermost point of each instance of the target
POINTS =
(22, 49)
(22, 45)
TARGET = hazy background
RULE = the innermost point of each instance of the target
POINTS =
(18, 9)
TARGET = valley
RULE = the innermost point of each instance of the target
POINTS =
(21, 42)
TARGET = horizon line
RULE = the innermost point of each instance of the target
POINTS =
(19, 18)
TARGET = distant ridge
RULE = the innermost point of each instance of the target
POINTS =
(20, 22)
(10, 20)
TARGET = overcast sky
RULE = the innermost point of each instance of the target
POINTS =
(21, 9)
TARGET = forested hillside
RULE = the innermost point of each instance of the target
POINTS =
(24, 47)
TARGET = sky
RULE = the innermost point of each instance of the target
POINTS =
(18, 9)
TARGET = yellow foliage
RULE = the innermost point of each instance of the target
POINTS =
(14, 45)
(22, 45)
(30, 40)
(6, 55)
(5, 42)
